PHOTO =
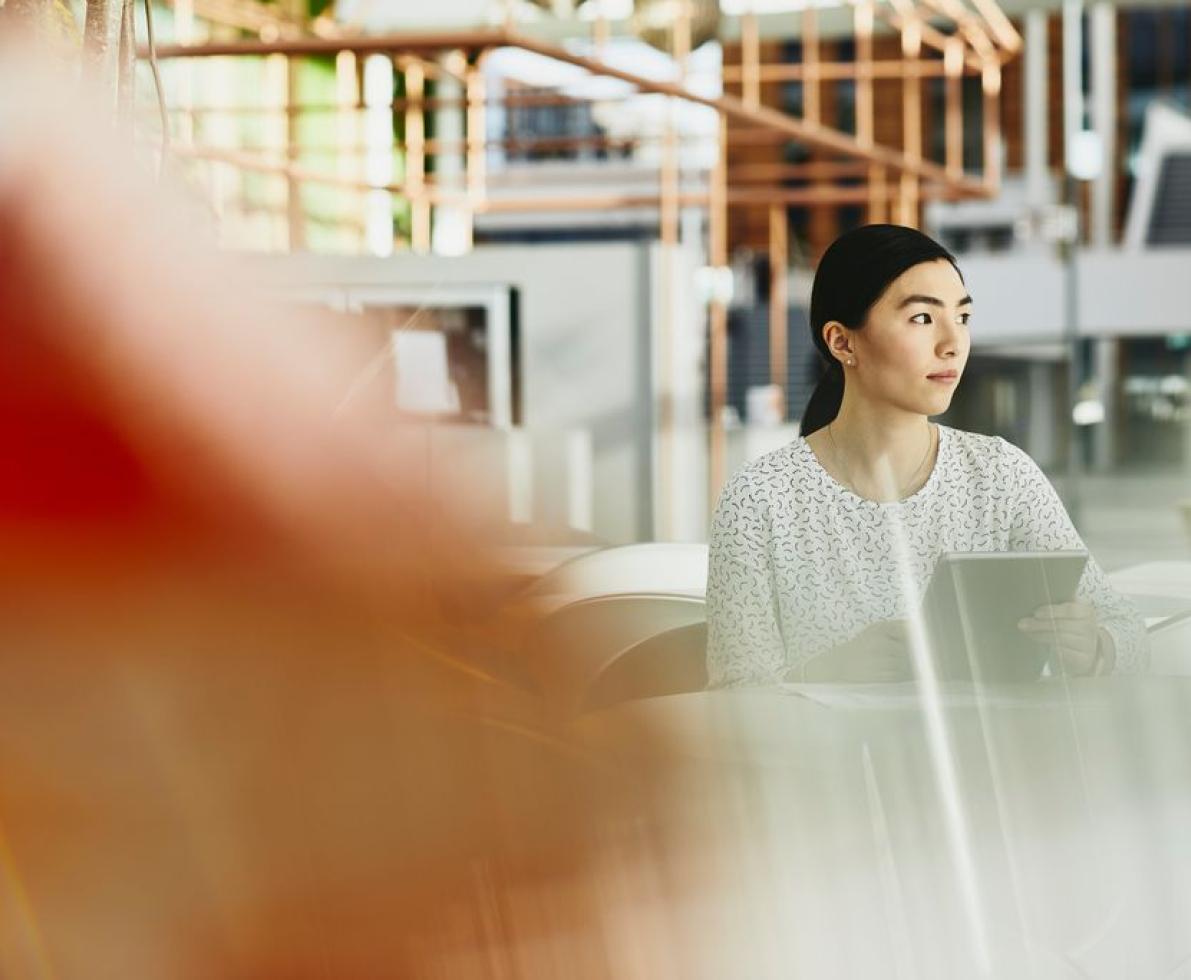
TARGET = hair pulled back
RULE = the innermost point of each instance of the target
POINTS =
(852, 275)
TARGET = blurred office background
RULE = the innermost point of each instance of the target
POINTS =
(582, 233)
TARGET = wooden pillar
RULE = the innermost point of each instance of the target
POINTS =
(718, 317)
(415, 155)
(671, 176)
(811, 103)
(953, 121)
(750, 60)
(990, 81)
(911, 121)
(349, 132)
(477, 131)
(863, 26)
(779, 248)
(295, 213)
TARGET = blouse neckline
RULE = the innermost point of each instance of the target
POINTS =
(921, 492)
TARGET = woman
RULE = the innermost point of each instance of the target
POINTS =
(810, 544)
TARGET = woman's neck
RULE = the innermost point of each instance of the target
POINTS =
(885, 454)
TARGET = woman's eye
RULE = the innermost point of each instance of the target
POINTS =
(965, 318)
(916, 316)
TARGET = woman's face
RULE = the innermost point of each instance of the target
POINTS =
(914, 345)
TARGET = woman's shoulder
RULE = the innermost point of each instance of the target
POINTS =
(774, 472)
(774, 469)
(985, 450)
(992, 460)
(748, 500)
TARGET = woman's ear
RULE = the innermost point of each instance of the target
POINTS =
(838, 339)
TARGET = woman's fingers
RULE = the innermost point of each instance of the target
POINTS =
(1074, 641)
(1065, 610)
(1045, 631)
(1072, 632)
(1079, 645)
(1077, 661)
(1059, 617)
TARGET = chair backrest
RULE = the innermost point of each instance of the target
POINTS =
(673, 662)
(569, 648)
(1170, 645)
(655, 567)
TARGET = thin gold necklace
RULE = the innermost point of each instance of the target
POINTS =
(930, 441)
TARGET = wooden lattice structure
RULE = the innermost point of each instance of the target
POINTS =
(881, 163)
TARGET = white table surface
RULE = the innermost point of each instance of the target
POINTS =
(827, 833)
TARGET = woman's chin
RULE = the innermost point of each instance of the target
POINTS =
(929, 407)
(938, 402)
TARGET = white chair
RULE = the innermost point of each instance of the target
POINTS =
(1170, 645)
(657, 568)
(535, 561)
(569, 649)
(673, 662)
(1156, 588)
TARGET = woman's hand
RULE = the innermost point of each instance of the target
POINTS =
(1071, 628)
(879, 652)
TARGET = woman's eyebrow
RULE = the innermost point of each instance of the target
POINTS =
(930, 301)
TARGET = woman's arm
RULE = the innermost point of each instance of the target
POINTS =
(879, 652)
(744, 640)
(1041, 523)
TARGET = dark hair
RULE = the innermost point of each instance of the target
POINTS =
(852, 275)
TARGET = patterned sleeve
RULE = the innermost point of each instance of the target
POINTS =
(744, 641)
(1041, 523)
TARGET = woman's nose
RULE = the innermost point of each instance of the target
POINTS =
(951, 341)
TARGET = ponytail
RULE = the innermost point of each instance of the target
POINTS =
(826, 399)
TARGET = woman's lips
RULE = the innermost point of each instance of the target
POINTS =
(945, 377)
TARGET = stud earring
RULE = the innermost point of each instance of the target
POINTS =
(851, 362)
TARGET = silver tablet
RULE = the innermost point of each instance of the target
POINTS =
(973, 604)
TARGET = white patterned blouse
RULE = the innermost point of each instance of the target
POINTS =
(800, 564)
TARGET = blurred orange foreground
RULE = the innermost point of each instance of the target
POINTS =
(238, 735)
